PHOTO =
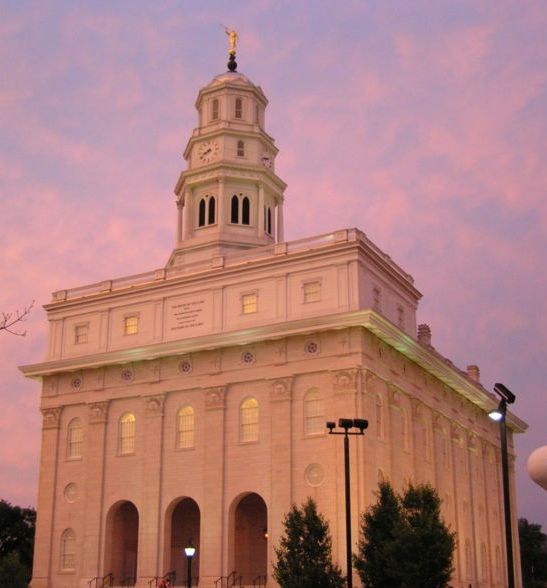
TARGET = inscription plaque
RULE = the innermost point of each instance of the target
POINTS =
(188, 316)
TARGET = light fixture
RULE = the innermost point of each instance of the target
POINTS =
(496, 415)
(346, 425)
(189, 551)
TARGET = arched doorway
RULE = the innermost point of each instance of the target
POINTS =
(251, 538)
(185, 528)
(122, 542)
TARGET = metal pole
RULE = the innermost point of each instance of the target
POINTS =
(507, 501)
(189, 575)
(348, 511)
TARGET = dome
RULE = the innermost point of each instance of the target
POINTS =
(230, 76)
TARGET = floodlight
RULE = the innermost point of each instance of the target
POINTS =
(504, 392)
(345, 423)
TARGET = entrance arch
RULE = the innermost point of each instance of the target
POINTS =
(250, 538)
(122, 542)
(183, 519)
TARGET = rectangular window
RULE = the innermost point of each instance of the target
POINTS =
(249, 303)
(240, 149)
(131, 325)
(214, 109)
(312, 291)
(80, 334)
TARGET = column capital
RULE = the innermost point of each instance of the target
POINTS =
(98, 411)
(51, 417)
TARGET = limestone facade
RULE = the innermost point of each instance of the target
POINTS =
(189, 403)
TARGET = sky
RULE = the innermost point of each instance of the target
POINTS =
(423, 123)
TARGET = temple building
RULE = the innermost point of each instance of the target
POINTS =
(188, 403)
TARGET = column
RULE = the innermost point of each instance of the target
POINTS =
(212, 514)
(221, 218)
(179, 221)
(281, 463)
(260, 212)
(149, 515)
(93, 514)
(43, 543)
(279, 227)
(187, 219)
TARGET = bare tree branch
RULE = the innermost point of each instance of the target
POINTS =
(9, 319)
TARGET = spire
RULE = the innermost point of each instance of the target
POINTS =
(232, 40)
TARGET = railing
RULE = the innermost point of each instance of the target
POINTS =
(228, 581)
(102, 581)
(169, 577)
(260, 581)
(231, 259)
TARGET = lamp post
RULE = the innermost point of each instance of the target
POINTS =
(348, 424)
(499, 415)
(190, 551)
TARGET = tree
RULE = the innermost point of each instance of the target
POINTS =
(9, 319)
(16, 545)
(304, 558)
(533, 554)
(380, 527)
(404, 542)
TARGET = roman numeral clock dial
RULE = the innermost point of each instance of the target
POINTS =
(208, 151)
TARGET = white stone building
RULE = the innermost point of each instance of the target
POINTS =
(189, 403)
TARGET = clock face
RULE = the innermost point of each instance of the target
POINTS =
(208, 151)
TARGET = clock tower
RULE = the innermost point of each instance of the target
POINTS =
(229, 197)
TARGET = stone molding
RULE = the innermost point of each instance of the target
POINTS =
(51, 417)
(281, 390)
(214, 398)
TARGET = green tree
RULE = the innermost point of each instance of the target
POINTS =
(16, 545)
(533, 554)
(304, 558)
(404, 542)
(376, 561)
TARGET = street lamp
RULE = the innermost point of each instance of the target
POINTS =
(190, 551)
(348, 424)
(500, 415)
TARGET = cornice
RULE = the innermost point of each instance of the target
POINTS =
(430, 361)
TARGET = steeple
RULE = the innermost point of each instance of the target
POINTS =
(229, 197)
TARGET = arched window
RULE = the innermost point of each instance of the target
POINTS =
(314, 412)
(241, 148)
(214, 109)
(245, 211)
(248, 418)
(379, 417)
(212, 211)
(239, 108)
(75, 437)
(269, 227)
(201, 221)
(185, 427)
(68, 550)
(126, 434)
(234, 217)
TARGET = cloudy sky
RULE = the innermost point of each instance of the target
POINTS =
(421, 122)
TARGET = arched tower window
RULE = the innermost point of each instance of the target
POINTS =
(185, 427)
(75, 437)
(239, 108)
(214, 109)
(212, 213)
(248, 419)
(314, 412)
(68, 550)
(269, 226)
(245, 211)
(234, 217)
(241, 148)
(126, 434)
(201, 221)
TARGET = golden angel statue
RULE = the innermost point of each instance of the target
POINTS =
(232, 39)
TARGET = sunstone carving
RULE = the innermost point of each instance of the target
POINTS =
(98, 412)
(154, 405)
(214, 397)
(281, 389)
(345, 381)
(51, 417)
